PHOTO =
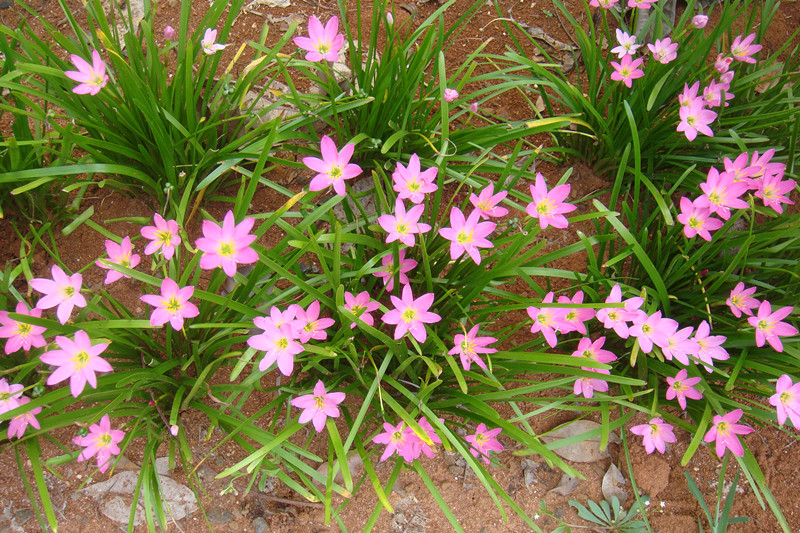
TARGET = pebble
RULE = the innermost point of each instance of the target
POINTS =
(218, 515)
(23, 515)
(259, 525)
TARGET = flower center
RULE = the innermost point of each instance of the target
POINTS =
(613, 315)
(282, 343)
(464, 238)
(173, 305)
(414, 185)
(319, 403)
(723, 428)
(397, 436)
(678, 386)
(335, 173)
(467, 347)
(81, 359)
(654, 430)
(68, 291)
(403, 228)
(358, 310)
(545, 207)
(715, 198)
(786, 397)
(695, 223)
(104, 440)
(764, 326)
(163, 237)
(481, 439)
(23, 330)
(409, 315)
(646, 329)
(226, 248)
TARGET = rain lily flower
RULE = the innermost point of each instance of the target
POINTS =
(309, 325)
(403, 225)
(740, 167)
(18, 424)
(627, 70)
(119, 254)
(169, 33)
(627, 44)
(279, 344)
(605, 4)
(710, 346)
(653, 329)
(764, 165)
(473, 107)
(62, 291)
(656, 434)
(486, 202)
(697, 220)
(172, 306)
(77, 360)
(769, 325)
(389, 269)
(278, 318)
(546, 320)
(699, 21)
(695, 119)
(641, 4)
(586, 386)
(411, 315)
(742, 48)
(470, 345)
(450, 95)
(333, 168)
(400, 439)
(318, 406)
(227, 245)
(573, 319)
(90, 78)
(483, 441)
(322, 42)
(725, 431)
(548, 206)
(682, 387)
(361, 306)
(10, 395)
(593, 350)
(664, 50)
(712, 95)
(617, 318)
(680, 346)
(411, 184)
(430, 434)
(723, 64)
(100, 441)
(689, 94)
(786, 400)
(19, 333)
(721, 194)
(741, 300)
(772, 190)
(163, 236)
(467, 235)
(209, 46)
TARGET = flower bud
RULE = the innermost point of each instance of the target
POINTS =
(473, 107)
(723, 63)
(389, 19)
(170, 33)
(450, 95)
(699, 21)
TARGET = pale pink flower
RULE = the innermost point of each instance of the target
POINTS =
(617, 318)
(411, 184)
(763, 165)
(62, 291)
(712, 95)
(627, 44)
(695, 119)
(725, 431)
(172, 305)
(227, 245)
(605, 4)
(627, 70)
(118, 254)
(741, 300)
(279, 344)
(173, 430)
(310, 325)
(680, 346)
(18, 424)
(787, 400)
(403, 225)
(170, 33)
(723, 64)
(572, 319)
(430, 434)
(400, 439)
(710, 346)
(473, 107)
(769, 325)
(594, 350)
(318, 406)
(389, 269)
(467, 235)
(470, 345)
(100, 441)
(682, 387)
(334, 167)
(664, 50)
(641, 4)
(586, 386)
(653, 329)
(656, 434)
(699, 21)
(742, 48)
(689, 94)
(486, 202)
(697, 220)
(484, 441)
(77, 360)
(549, 206)
(90, 78)
(411, 315)
(773, 191)
(207, 43)
(278, 318)
(19, 333)
(721, 194)
(740, 168)
(547, 320)
(10, 395)
(163, 236)
(450, 95)
(322, 42)
(361, 306)
(727, 77)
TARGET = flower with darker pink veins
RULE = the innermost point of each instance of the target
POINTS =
(740, 168)
(656, 434)
(763, 165)
(172, 305)
(403, 225)
(467, 235)
(710, 346)
(279, 344)
(682, 387)
(653, 329)
(334, 167)
(18, 424)
(721, 194)
(361, 306)
(19, 333)
(695, 119)
(450, 95)
(547, 320)
(627, 70)
(163, 236)
(430, 435)
(389, 269)
(586, 386)
(697, 220)
(411, 184)
(617, 318)
(743, 48)
(484, 441)
(411, 315)
(605, 4)
(90, 78)
(10, 395)
(573, 319)
(470, 345)
(208, 45)
(593, 350)
(62, 291)
(741, 300)
(486, 202)
(725, 431)
(400, 439)
(772, 190)
(309, 325)
(228, 245)
(713, 94)
(101, 441)
(77, 360)
(549, 206)
(769, 325)
(664, 50)
(318, 406)
(323, 42)
(680, 346)
(627, 44)
(786, 400)
(118, 254)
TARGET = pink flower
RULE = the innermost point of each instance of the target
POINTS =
(62, 291)
(473, 107)
(593, 350)
(605, 4)
(699, 21)
(389, 269)
(641, 4)
(361, 306)
(617, 318)
(740, 168)
(77, 360)
(627, 70)
(398, 439)
(695, 119)
(725, 431)
(721, 194)
(627, 44)
(723, 64)
(334, 167)
(10, 395)
(119, 254)
(450, 95)
(652, 330)
(573, 319)
(712, 95)
(207, 43)
(18, 424)
(403, 225)
(170, 33)
(680, 346)
(91, 78)
(710, 346)
(467, 235)
(656, 434)
(689, 94)
(19, 333)
(587, 385)
(682, 387)
(172, 306)
(486, 202)
(163, 236)
(769, 325)
(228, 245)
(309, 325)
(411, 315)
(484, 441)
(411, 183)
(786, 400)
(470, 345)
(322, 42)
(773, 191)
(743, 49)
(741, 300)
(548, 206)
(664, 50)
(546, 320)
(430, 434)
(278, 318)
(318, 406)
(279, 344)
(101, 441)
(697, 220)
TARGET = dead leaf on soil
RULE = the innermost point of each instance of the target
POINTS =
(612, 482)
(585, 451)
(566, 486)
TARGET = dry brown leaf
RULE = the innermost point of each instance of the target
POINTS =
(585, 451)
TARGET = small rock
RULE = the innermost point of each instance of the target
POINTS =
(218, 515)
(162, 466)
(456, 470)
(259, 525)
(23, 515)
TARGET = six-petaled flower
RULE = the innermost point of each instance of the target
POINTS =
(172, 305)
(118, 254)
(77, 360)
(318, 406)
(682, 387)
(334, 167)
(656, 434)
(101, 441)
(484, 441)
(323, 42)
(62, 291)
(91, 78)
(227, 245)
(726, 431)
(19, 333)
